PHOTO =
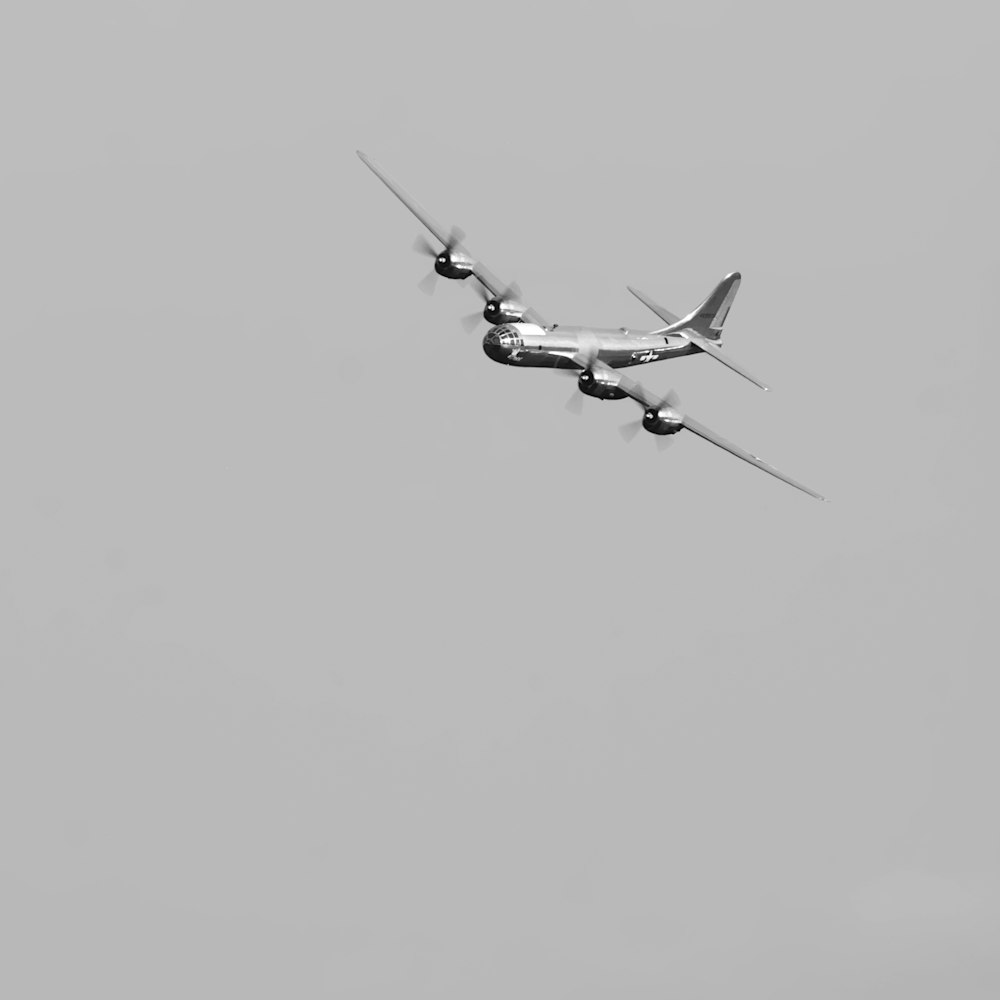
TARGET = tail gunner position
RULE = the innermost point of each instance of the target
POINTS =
(520, 337)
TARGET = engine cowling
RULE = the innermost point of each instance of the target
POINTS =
(452, 264)
(503, 311)
(662, 421)
(600, 385)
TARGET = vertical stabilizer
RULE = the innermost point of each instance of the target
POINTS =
(708, 318)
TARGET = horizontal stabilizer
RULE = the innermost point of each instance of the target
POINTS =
(703, 327)
(709, 348)
(665, 314)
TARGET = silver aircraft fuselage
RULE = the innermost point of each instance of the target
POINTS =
(527, 345)
(522, 338)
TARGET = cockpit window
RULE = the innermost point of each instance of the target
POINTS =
(505, 336)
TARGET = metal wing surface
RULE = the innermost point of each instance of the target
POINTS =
(636, 390)
(709, 348)
(411, 203)
(646, 399)
(498, 288)
(480, 272)
(734, 449)
(665, 314)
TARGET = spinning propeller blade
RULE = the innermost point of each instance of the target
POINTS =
(511, 294)
(671, 399)
(428, 283)
(672, 402)
(471, 321)
(423, 245)
(575, 402)
(628, 431)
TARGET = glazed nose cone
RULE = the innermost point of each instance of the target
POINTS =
(496, 352)
(494, 349)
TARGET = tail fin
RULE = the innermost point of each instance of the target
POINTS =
(703, 327)
(708, 318)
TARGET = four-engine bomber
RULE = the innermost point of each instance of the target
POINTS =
(521, 338)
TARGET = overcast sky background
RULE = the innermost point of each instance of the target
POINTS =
(338, 661)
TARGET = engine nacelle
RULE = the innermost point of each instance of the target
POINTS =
(662, 421)
(600, 385)
(452, 264)
(503, 311)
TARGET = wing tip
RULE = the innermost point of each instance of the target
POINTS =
(804, 489)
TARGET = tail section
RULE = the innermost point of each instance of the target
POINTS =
(708, 318)
(703, 327)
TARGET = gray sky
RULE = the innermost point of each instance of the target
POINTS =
(338, 661)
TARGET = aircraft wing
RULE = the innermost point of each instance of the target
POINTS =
(497, 288)
(411, 203)
(650, 402)
(734, 449)
(637, 391)
(480, 272)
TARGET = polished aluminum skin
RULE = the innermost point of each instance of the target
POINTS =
(523, 339)
(528, 345)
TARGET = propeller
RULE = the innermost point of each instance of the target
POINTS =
(653, 409)
(575, 402)
(423, 246)
(512, 293)
(628, 431)
(672, 401)
(471, 321)
(428, 283)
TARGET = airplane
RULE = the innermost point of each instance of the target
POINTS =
(521, 337)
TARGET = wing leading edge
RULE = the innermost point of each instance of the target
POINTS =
(648, 401)
(480, 271)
